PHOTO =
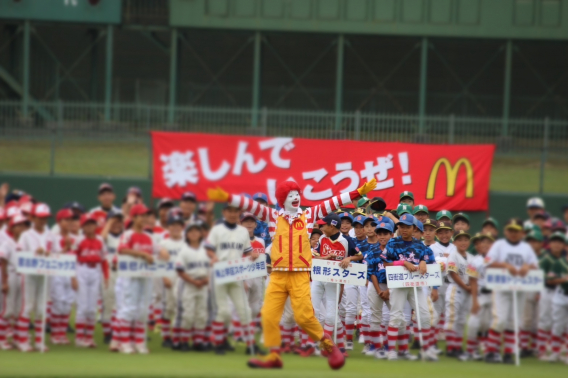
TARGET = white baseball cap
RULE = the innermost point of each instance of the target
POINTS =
(41, 210)
(535, 202)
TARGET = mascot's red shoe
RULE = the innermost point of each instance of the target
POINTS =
(272, 361)
(335, 358)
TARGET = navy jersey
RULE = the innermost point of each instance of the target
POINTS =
(376, 259)
(338, 245)
(363, 246)
(261, 231)
(412, 251)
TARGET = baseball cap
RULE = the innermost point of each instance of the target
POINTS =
(86, 218)
(541, 214)
(105, 187)
(535, 203)
(189, 196)
(362, 202)
(461, 233)
(443, 225)
(403, 209)
(443, 213)
(360, 219)
(316, 231)
(64, 214)
(377, 204)
(406, 219)
(384, 226)
(12, 211)
(26, 207)
(535, 235)
(480, 236)
(191, 225)
(17, 219)
(491, 221)
(344, 215)
(359, 211)
(558, 236)
(248, 216)
(330, 219)
(419, 224)
(260, 196)
(175, 217)
(166, 202)
(246, 195)
(370, 219)
(514, 224)
(138, 209)
(460, 216)
(74, 205)
(41, 210)
(558, 225)
(420, 209)
(430, 222)
(406, 194)
(115, 214)
(134, 190)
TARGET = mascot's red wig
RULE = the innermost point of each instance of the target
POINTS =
(283, 189)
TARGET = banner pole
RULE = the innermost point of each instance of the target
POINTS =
(417, 310)
(516, 324)
(44, 315)
(337, 290)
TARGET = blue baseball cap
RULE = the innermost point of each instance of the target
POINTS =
(383, 225)
(371, 218)
(330, 219)
(260, 196)
(382, 218)
(175, 217)
(406, 219)
(346, 215)
(360, 219)
(419, 224)
(246, 195)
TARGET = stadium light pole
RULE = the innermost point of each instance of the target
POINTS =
(422, 87)
(507, 87)
(108, 70)
(173, 75)
(256, 79)
(339, 81)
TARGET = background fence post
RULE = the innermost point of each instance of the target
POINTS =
(55, 137)
(264, 120)
(451, 128)
(544, 154)
(357, 125)
(149, 136)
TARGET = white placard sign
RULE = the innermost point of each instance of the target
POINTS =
(501, 280)
(239, 269)
(399, 276)
(129, 266)
(52, 265)
(330, 271)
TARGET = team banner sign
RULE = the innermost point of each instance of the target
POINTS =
(239, 269)
(129, 266)
(399, 276)
(330, 271)
(447, 177)
(501, 280)
(52, 265)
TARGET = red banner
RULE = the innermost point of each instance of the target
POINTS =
(450, 177)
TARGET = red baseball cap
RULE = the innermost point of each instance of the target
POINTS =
(12, 211)
(64, 214)
(41, 210)
(26, 207)
(85, 218)
(138, 209)
(17, 219)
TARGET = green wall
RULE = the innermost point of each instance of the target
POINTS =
(522, 19)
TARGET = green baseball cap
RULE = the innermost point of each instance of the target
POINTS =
(535, 235)
(481, 236)
(408, 194)
(420, 209)
(402, 209)
(557, 235)
(460, 216)
(359, 211)
(492, 221)
(362, 202)
(443, 213)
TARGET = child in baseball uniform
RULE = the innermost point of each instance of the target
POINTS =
(11, 282)
(92, 269)
(191, 287)
(170, 246)
(480, 317)
(40, 240)
(463, 280)
(136, 291)
(515, 255)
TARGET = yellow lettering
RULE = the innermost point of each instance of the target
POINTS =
(452, 176)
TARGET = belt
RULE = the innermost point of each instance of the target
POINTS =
(485, 291)
(89, 264)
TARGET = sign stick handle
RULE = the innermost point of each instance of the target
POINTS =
(248, 326)
(516, 324)
(44, 315)
(337, 290)
(417, 310)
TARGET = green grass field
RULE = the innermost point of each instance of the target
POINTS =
(68, 361)
(124, 159)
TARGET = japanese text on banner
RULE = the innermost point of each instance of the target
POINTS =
(129, 266)
(501, 280)
(53, 265)
(239, 269)
(399, 276)
(330, 271)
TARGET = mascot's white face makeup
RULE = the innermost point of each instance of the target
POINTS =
(292, 201)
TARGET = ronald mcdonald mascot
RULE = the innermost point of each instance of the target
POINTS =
(290, 229)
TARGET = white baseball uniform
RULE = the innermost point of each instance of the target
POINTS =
(481, 321)
(458, 301)
(441, 253)
(167, 295)
(109, 292)
(11, 302)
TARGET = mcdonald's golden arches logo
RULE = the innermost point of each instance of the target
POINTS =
(452, 176)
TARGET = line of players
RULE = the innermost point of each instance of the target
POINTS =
(188, 310)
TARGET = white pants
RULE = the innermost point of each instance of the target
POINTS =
(440, 304)
(89, 281)
(503, 310)
(559, 313)
(545, 309)
(529, 321)
(167, 300)
(136, 295)
(255, 294)
(325, 292)
(398, 299)
(481, 321)
(12, 302)
(62, 295)
(109, 297)
(351, 301)
(33, 296)
(191, 305)
(458, 305)
(376, 307)
(236, 293)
